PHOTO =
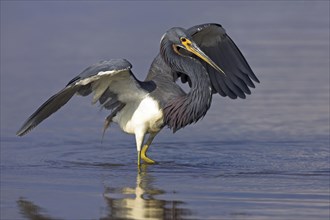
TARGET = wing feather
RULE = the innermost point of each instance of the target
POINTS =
(53, 104)
(214, 41)
(112, 83)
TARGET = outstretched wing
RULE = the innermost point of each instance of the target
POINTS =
(111, 82)
(214, 41)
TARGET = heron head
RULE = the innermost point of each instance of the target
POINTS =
(183, 45)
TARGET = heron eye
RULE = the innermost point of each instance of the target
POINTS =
(183, 39)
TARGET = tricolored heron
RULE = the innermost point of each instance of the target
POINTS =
(203, 55)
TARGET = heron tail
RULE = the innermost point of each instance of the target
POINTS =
(53, 104)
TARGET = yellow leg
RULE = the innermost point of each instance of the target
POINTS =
(139, 158)
(144, 156)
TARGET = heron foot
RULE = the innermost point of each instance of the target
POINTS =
(144, 156)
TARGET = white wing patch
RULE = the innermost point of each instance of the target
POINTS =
(99, 88)
(115, 80)
(96, 77)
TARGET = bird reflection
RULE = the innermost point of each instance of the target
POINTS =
(141, 202)
(32, 211)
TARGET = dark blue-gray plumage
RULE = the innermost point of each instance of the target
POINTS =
(203, 55)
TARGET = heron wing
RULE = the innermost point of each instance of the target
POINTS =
(214, 41)
(111, 82)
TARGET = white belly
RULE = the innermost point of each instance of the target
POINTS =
(145, 115)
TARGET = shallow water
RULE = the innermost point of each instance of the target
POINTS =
(266, 157)
(220, 180)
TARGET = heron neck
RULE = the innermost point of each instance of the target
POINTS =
(200, 94)
(188, 109)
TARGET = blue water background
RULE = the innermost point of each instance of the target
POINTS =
(266, 157)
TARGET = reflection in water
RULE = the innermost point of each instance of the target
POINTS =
(31, 211)
(141, 202)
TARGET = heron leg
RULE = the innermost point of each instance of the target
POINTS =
(145, 148)
(139, 138)
(139, 158)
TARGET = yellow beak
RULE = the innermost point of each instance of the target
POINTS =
(193, 48)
